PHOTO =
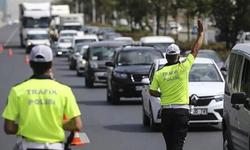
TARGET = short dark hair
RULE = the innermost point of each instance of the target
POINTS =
(40, 67)
(171, 58)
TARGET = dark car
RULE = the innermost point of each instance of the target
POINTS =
(96, 56)
(74, 54)
(209, 54)
(128, 67)
(103, 31)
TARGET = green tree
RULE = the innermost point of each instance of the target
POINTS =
(231, 17)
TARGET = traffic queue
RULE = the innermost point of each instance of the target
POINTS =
(127, 68)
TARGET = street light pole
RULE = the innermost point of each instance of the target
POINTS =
(93, 12)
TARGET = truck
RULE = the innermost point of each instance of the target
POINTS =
(33, 16)
(56, 12)
(72, 22)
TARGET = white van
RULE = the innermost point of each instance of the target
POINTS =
(236, 113)
(84, 39)
(162, 42)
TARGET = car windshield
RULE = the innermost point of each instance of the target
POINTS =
(85, 41)
(138, 57)
(72, 27)
(78, 48)
(68, 34)
(202, 73)
(65, 40)
(247, 37)
(102, 53)
(83, 50)
(37, 36)
(211, 55)
(36, 23)
(162, 46)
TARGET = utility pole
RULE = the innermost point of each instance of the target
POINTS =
(93, 12)
(206, 31)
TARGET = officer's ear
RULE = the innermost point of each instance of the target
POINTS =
(51, 64)
(179, 56)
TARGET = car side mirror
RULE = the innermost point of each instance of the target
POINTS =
(238, 98)
(223, 69)
(145, 81)
(84, 57)
(109, 64)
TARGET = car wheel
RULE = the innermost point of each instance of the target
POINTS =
(88, 83)
(153, 125)
(226, 144)
(145, 118)
(109, 98)
(78, 73)
(71, 67)
(115, 98)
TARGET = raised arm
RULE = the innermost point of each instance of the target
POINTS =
(199, 40)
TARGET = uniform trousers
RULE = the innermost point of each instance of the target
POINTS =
(174, 124)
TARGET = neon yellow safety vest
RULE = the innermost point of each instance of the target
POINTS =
(39, 104)
(173, 82)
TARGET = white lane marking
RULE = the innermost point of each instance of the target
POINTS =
(84, 138)
(11, 36)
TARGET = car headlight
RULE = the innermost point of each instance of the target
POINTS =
(47, 43)
(219, 98)
(120, 75)
(94, 65)
(29, 43)
(83, 62)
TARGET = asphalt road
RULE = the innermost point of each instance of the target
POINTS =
(108, 127)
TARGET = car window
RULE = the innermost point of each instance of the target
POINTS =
(245, 80)
(247, 37)
(68, 34)
(85, 41)
(236, 75)
(204, 73)
(138, 57)
(231, 68)
(162, 46)
(102, 53)
(65, 41)
(210, 55)
(37, 36)
(75, 27)
(83, 50)
(78, 48)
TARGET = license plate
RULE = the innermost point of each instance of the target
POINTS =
(200, 111)
(138, 88)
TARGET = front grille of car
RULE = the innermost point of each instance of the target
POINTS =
(102, 78)
(209, 116)
(204, 101)
(137, 77)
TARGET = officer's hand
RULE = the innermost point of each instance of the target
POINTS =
(200, 26)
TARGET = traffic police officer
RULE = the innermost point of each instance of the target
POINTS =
(172, 80)
(39, 105)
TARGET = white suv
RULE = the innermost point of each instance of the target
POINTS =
(236, 116)
(206, 85)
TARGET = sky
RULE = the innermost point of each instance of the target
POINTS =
(13, 9)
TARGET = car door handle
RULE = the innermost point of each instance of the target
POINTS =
(237, 107)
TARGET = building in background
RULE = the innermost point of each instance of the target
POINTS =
(13, 7)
